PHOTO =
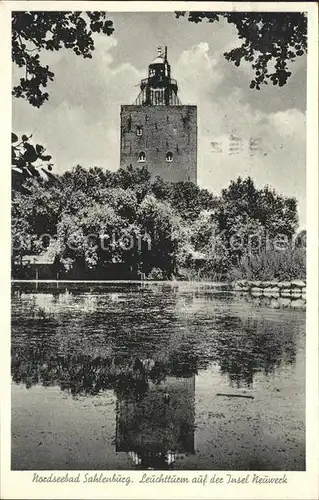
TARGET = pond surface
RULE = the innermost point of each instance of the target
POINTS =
(156, 375)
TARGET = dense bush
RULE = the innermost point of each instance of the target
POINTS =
(272, 264)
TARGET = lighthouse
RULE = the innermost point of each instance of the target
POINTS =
(158, 131)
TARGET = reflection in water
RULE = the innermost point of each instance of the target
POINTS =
(241, 356)
(158, 423)
(146, 344)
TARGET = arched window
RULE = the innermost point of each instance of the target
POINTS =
(139, 130)
(141, 156)
(169, 156)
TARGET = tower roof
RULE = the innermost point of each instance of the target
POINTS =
(160, 59)
(158, 89)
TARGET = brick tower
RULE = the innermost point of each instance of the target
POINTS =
(157, 130)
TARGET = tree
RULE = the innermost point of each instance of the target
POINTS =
(96, 222)
(207, 243)
(243, 201)
(161, 189)
(21, 238)
(33, 32)
(137, 178)
(27, 161)
(89, 181)
(124, 202)
(41, 207)
(250, 218)
(270, 40)
(34, 216)
(189, 199)
(81, 235)
(158, 220)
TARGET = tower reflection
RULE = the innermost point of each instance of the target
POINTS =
(156, 425)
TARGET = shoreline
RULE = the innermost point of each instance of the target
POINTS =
(275, 294)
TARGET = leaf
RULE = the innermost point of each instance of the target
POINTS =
(45, 157)
(24, 138)
(30, 154)
(267, 38)
(39, 149)
(14, 137)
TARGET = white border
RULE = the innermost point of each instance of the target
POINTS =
(301, 485)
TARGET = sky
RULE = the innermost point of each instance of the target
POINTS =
(80, 123)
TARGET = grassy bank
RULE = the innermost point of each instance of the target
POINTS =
(267, 265)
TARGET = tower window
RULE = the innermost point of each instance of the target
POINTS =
(141, 156)
(139, 130)
(169, 156)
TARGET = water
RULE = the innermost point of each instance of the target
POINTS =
(126, 376)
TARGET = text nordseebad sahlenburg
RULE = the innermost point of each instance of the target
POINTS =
(160, 478)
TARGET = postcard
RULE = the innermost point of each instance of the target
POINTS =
(160, 250)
